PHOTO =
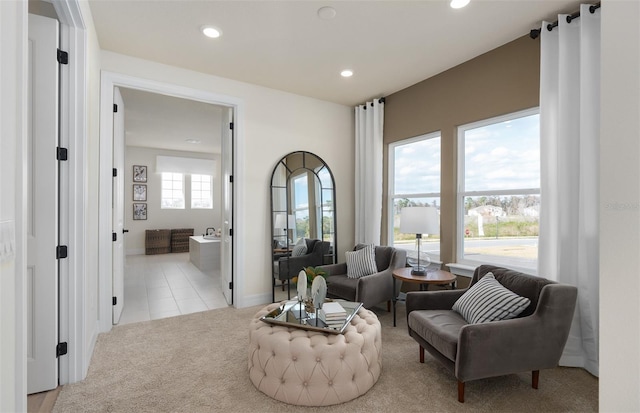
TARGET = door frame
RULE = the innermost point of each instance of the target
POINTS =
(109, 80)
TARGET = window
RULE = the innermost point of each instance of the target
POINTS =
(300, 198)
(172, 191)
(201, 192)
(499, 191)
(414, 180)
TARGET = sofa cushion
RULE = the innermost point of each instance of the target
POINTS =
(361, 262)
(487, 300)
(440, 328)
(342, 287)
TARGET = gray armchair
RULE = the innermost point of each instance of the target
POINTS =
(532, 341)
(371, 289)
(288, 267)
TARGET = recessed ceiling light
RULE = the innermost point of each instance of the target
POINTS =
(458, 4)
(326, 13)
(346, 73)
(192, 140)
(211, 32)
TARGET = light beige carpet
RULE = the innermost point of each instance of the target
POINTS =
(198, 363)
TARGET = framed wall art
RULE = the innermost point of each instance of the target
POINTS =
(139, 173)
(139, 211)
(139, 192)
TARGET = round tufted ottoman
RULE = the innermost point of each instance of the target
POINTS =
(310, 368)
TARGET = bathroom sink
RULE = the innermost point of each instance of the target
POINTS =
(211, 237)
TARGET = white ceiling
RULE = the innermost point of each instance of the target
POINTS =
(285, 45)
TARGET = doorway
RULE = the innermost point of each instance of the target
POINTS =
(178, 142)
(231, 110)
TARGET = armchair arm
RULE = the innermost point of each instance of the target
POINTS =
(432, 300)
(510, 346)
(335, 269)
(375, 288)
(291, 266)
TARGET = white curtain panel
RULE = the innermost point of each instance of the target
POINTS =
(369, 124)
(569, 136)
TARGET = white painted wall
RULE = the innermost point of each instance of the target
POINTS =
(620, 208)
(157, 218)
(13, 130)
(91, 313)
(275, 123)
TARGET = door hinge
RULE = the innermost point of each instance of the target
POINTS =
(61, 252)
(114, 172)
(114, 237)
(231, 178)
(61, 349)
(115, 108)
(63, 57)
(231, 126)
(61, 154)
(231, 285)
(231, 232)
(114, 300)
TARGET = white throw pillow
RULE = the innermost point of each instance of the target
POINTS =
(299, 250)
(361, 262)
(487, 300)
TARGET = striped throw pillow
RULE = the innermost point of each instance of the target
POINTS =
(361, 262)
(487, 300)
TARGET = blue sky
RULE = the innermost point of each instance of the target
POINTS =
(504, 155)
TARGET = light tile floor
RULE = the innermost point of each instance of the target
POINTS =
(167, 285)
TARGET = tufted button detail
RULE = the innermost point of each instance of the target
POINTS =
(278, 374)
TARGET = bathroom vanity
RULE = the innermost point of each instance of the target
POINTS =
(204, 252)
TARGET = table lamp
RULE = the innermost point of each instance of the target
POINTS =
(419, 220)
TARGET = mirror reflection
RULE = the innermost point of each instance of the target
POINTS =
(303, 224)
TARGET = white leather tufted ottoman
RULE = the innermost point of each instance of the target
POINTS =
(310, 368)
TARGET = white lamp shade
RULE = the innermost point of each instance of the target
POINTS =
(419, 220)
(281, 221)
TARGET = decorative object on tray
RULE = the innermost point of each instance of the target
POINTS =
(318, 292)
(296, 314)
(334, 314)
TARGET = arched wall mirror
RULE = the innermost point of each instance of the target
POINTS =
(303, 218)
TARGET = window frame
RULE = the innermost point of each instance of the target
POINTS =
(201, 190)
(162, 198)
(392, 196)
(461, 194)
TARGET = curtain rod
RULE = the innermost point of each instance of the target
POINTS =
(536, 32)
(381, 100)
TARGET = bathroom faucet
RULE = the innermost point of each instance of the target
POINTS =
(213, 231)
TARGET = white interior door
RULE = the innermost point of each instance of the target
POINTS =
(42, 204)
(118, 206)
(226, 246)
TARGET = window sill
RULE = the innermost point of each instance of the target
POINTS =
(461, 269)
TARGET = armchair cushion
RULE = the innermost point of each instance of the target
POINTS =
(487, 300)
(361, 262)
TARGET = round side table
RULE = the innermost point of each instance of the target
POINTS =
(431, 277)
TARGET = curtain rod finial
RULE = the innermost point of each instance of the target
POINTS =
(534, 33)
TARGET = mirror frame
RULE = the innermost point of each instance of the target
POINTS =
(308, 162)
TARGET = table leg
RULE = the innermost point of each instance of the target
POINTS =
(395, 298)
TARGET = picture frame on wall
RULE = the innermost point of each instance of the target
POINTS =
(139, 192)
(139, 173)
(139, 211)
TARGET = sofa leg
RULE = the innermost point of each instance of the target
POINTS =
(535, 376)
(460, 391)
(421, 355)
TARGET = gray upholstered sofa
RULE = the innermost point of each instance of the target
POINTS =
(532, 341)
(371, 289)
